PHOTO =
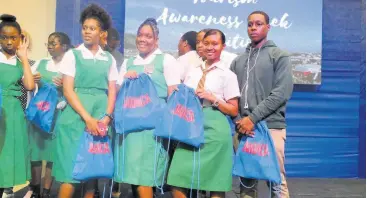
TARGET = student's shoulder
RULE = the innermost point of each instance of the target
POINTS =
(168, 56)
(276, 52)
(240, 58)
(228, 73)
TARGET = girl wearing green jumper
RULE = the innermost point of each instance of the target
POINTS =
(89, 86)
(217, 86)
(42, 143)
(14, 65)
(139, 146)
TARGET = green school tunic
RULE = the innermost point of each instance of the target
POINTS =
(91, 86)
(215, 158)
(41, 143)
(139, 155)
(14, 151)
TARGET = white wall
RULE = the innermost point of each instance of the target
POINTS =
(37, 17)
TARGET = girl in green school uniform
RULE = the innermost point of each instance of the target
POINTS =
(139, 146)
(217, 86)
(89, 86)
(41, 143)
(14, 65)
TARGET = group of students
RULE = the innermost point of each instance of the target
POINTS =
(249, 88)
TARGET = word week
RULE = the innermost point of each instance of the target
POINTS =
(184, 113)
(99, 148)
(256, 149)
(136, 102)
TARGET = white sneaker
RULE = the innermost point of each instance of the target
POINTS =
(5, 195)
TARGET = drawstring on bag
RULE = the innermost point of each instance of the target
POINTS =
(196, 152)
(123, 139)
(155, 166)
(104, 189)
(111, 188)
(198, 174)
(248, 187)
(166, 158)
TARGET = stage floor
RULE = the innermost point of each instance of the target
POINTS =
(300, 188)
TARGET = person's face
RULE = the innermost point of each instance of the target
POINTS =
(114, 44)
(91, 32)
(10, 39)
(199, 44)
(257, 29)
(181, 47)
(146, 41)
(213, 47)
(54, 46)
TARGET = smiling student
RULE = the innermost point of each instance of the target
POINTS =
(162, 68)
(217, 86)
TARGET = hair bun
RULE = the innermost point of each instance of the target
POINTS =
(8, 18)
(151, 20)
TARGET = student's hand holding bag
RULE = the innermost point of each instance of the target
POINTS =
(92, 126)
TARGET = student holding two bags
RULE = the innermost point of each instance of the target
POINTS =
(217, 87)
(138, 148)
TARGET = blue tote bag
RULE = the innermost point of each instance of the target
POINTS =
(138, 106)
(42, 107)
(183, 118)
(94, 159)
(256, 156)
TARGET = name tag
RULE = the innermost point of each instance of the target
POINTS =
(149, 69)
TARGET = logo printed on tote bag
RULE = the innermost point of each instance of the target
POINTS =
(261, 150)
(136, 102)
(99, 148)
(43, 106)
(184, 113)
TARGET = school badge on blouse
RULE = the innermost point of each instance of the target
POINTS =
(149, 69)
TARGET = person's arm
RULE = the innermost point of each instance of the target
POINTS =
(171, 74)
(22, 53)
(228, 107)
(36, 75)
(279, 95)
